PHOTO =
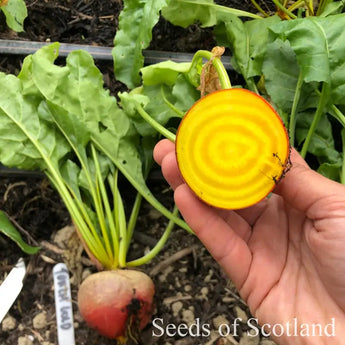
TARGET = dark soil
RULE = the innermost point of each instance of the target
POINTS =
(95, 22)
(190, 287)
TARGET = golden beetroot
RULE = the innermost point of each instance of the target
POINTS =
(116, 301)
(232, 148)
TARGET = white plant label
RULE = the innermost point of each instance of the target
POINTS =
(63, 305)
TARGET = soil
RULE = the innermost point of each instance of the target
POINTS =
(190, 287)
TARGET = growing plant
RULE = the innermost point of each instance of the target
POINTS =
(231, 146)
(51, 123)
(83, 143)
(48, 121)
(9, 230)
(286, 9)
(15, 12)
(306, 53)
(295, 64)
(137, 20)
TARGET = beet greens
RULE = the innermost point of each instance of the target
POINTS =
(296, 64)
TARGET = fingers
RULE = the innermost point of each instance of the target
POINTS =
(221, 240)
(162, 148)
(302, 187)
(164, 155)
(224, 233)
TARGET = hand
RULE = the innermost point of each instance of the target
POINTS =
(286, 254)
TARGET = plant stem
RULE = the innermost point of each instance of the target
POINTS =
(159, 245)
(122, 228)
(111, 245)
(222, 73)
(120, 221)
(217, 63)
(322, 5)
(292, 122)
(296, 5)
(133, 218)
(100, 191)
(251, 85)
(90, 234)
(310, 7)
(342, 174)
(93, 242)
(317, 116)
(259, 8)
(171, 106)
(156, 125)
(112, 182)
(336, 113)
(139, 186)
(283, 9)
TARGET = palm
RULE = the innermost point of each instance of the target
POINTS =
(295, 264)
(286, 254)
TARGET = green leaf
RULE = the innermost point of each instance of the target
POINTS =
(94, 111)
(162, 102)
(156, 108)
(167, 93)
(318, 44)
(185, 93)
(15, 12)
(331, 170)
(331, 8)
(164, 72)
(185, 13)
(130, 100)
(248, 42)
(322, 143)
(87, 100)
(70, 172)
(136, 22)
(281, 79)
(33, 141)
(206, 12)
(10, 231)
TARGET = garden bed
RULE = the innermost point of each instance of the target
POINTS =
(190, 286)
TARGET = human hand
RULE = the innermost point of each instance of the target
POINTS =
(286, 254)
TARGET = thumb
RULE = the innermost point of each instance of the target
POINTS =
(301, 187)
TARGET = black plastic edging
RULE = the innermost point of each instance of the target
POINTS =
(97, 52)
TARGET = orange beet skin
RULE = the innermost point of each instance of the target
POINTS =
(110, 301)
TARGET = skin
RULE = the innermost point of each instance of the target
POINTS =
(286, 254)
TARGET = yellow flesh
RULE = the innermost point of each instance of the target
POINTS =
(232, 148)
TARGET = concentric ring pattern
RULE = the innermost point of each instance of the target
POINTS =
(232, 148)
